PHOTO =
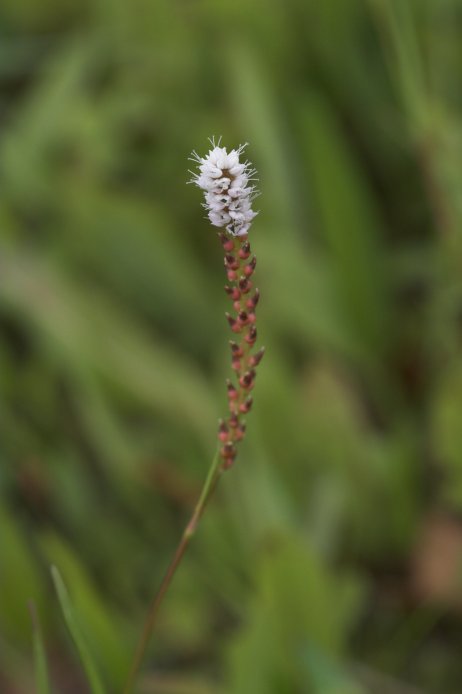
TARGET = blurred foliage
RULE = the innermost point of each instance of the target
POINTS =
(329, 562)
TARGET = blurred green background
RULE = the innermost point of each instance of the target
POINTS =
(329, 561)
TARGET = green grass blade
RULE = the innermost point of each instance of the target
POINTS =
(88, 665)
(42, 679)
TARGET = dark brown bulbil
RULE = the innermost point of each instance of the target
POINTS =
(243, 360)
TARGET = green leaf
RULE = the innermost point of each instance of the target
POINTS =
(20, 581)
(74, 629)
(42, 679)
(350, 224)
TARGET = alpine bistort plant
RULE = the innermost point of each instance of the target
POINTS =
(228, 187)
(229, 192)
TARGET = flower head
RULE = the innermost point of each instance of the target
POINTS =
(226, 182)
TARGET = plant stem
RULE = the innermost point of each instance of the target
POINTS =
(213, 475)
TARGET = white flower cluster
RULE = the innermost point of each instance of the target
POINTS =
(228, 189)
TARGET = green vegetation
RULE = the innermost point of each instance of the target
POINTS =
(329, 560)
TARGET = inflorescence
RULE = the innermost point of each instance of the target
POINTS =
(228, 198)
(226, 182)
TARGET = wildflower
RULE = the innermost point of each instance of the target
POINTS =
(229, 193)
(228, 199)
(227, 184)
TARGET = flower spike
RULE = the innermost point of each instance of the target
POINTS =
(226, 182)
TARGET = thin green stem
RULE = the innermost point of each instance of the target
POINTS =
(213, 475)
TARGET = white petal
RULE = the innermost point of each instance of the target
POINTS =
(233, 159)
(236, 169)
